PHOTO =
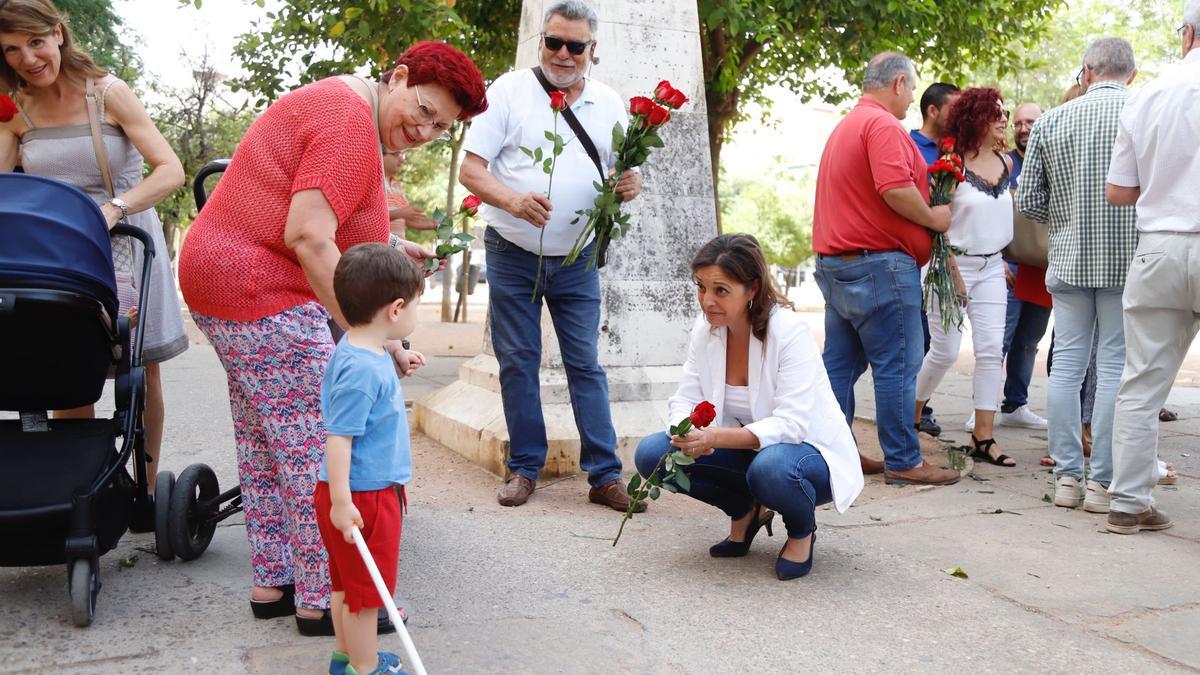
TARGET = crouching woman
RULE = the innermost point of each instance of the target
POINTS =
(779, 443)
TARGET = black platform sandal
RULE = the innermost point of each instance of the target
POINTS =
(270, 609)
(981, 452)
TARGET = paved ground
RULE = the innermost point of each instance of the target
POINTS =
(540, 589)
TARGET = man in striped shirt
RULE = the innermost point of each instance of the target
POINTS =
(1091, 244)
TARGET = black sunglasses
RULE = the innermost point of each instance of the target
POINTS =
(555, 43)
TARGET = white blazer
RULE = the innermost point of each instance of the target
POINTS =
(790, 396)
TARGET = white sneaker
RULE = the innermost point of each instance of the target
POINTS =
(1068, 492)
(1021, 417)
(1096, 500)
(970, 425)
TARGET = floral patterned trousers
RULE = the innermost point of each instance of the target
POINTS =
(274, 366)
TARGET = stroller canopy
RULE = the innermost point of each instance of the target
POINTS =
(54, 236)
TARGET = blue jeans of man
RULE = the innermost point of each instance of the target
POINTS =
(791, 479)
(873, 317)
(1080, 312)
(1024, 328)
(572, 294)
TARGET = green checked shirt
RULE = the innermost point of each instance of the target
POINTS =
(1062, 184)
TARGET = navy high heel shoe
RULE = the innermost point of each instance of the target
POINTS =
(786, 569)
(737, 549)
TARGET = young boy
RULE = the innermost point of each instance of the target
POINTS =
(378, 289)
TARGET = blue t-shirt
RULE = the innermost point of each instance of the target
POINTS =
(361, 398)
(929, 149)
(1017, 160)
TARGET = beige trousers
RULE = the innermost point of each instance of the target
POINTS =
(1162, 315)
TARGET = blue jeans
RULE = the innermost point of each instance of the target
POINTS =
(873, 316)
(1024, 328)
(1078, 314)
(791, 479)
(573, 296)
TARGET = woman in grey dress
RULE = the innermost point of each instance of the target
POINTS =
(47, 76)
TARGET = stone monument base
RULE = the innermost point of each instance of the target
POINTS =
(467, 416)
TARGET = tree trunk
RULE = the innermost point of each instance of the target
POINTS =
(447, 284)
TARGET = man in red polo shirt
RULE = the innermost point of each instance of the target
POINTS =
(872, 232)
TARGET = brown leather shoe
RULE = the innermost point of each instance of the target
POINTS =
(922, 474)
(870, 466)
(1132, 523)
(516, 491)
(613, 495)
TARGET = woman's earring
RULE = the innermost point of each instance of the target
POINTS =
(750, 305)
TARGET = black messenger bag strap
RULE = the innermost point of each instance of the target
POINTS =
(573, 122)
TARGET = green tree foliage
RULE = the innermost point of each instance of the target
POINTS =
(814, 48)
(777, 211)
(1054, 61)
(201, 126)
(101, 33)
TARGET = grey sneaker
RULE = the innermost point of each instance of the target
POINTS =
(1068, 492)
(1132, 523)
(1096, 499)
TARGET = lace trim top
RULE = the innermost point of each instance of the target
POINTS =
(987, 188)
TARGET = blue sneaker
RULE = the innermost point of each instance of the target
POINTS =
(389, 664)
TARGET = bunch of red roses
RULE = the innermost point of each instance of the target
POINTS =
(8, 109)
(673, 479)
(940, 280)
(452, 242)
(632, 146)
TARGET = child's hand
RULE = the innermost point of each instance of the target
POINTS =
(345, 517)
(407, 360)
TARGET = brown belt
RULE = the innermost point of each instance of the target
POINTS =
(856, 254)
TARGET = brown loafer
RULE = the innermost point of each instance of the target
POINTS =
(613, 495)
(870, 466)
(516, 491)
(1132, 523)
(922, 474)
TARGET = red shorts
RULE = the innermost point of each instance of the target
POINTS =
(380, 510)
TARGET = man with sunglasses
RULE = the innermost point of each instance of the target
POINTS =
(521, 221)
(1155, 165)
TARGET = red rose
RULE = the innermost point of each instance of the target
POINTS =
(558, 101)
(947, 145)
(640, 105)
(669, 96)
(703, 414)
(471, 204)
(7, 108)
(657, 117)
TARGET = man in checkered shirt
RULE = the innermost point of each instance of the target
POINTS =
(1091, 244)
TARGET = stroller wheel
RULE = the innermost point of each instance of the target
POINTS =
(163, 487)
(84, 585)
(190, 530)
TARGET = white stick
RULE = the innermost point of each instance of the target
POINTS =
(410, 650)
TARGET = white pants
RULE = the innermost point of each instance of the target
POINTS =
(987, 308)
(1162, 315)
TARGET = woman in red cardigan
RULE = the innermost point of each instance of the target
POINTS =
(305, 184)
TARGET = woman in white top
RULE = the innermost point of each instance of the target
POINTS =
(779, 440)
(981, 224)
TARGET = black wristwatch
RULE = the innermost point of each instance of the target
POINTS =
(406, 344)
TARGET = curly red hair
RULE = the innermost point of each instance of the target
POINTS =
(971, 118)
(432, 62)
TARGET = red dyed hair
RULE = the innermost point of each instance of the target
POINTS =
(438, 63)
(971, 117)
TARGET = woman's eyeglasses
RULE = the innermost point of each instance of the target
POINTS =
(556, 43)
(442, 128)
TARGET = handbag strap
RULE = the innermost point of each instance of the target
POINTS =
(93, 111)
(573, 122)
(373, 94)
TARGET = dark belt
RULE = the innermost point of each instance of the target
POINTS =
(856, 253)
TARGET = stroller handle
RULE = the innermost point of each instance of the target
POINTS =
(198, 191)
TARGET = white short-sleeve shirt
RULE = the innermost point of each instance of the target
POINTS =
(1156, 149)
(519, 115)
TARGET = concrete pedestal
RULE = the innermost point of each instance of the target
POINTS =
(648, 302)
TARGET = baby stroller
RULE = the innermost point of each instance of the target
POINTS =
(66, 494)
